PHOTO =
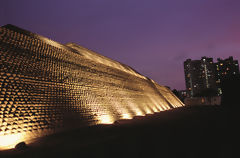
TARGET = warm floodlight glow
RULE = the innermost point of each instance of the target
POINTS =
(105, 119)
(155, 109)
(147, 110)
(126, 116)
(139, 113)
(9, 141)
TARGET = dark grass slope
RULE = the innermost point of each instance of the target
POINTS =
(200, 131)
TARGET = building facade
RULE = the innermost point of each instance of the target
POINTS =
(225, 68)
(199, 75)
(204, 74)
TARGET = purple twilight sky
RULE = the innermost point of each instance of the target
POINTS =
(152, 36)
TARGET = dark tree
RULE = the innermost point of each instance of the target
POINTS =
(230, 88)
(176, 92)
(178, 95)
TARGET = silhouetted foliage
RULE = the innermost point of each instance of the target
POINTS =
(176, 92)
(21, 146)
(230, 88)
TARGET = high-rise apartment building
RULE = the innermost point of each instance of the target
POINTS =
(225, 68)
(199, 75)
(204, 74)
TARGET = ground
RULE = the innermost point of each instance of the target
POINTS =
(189, 132)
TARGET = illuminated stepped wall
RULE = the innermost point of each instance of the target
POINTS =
(46, 87)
